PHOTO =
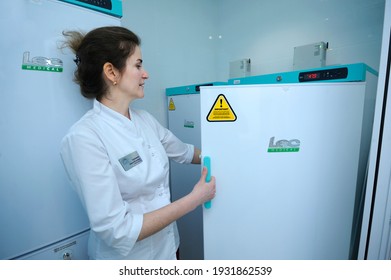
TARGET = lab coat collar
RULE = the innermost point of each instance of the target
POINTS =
(106, 112)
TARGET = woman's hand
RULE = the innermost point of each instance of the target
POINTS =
(160, 218)
(204, 191)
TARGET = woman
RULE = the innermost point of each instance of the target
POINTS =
(118, 158)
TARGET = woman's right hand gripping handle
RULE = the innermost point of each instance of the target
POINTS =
(205, 191)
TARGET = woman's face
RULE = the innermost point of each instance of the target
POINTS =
(133, 78)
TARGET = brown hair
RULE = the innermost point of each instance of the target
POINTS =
(112, 44)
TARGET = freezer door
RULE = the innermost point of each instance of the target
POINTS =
(287, 162)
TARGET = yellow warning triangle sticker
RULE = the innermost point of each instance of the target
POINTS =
(171, 106)
(221, 111)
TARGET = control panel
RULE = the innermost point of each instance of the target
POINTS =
(109, 7)
(105, 4)
(323, 75)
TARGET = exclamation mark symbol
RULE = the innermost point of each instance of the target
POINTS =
(221, 103)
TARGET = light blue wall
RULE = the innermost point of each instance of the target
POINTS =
(353, 29)
(175, 45)
(193, 41)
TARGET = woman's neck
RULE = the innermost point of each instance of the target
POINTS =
(119, 106)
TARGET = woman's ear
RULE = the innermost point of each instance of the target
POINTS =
(111, 73)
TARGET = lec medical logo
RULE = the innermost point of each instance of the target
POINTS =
(40, 63)
(283, 146)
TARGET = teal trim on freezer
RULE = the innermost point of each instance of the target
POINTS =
(113, 7)
(287, 77)
(190, 89)
(356, 72)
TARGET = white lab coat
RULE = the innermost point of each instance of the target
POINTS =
(120, 170)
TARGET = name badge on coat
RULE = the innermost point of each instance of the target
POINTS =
(130, 161)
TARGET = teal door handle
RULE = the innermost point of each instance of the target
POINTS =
(207, 164)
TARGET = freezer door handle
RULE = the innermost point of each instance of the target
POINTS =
(207, 204)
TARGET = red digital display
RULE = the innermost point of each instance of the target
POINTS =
(311, 76)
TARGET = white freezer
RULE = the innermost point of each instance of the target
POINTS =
(375, 242)
(289, 161)
(184, 122)
(39, 103)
